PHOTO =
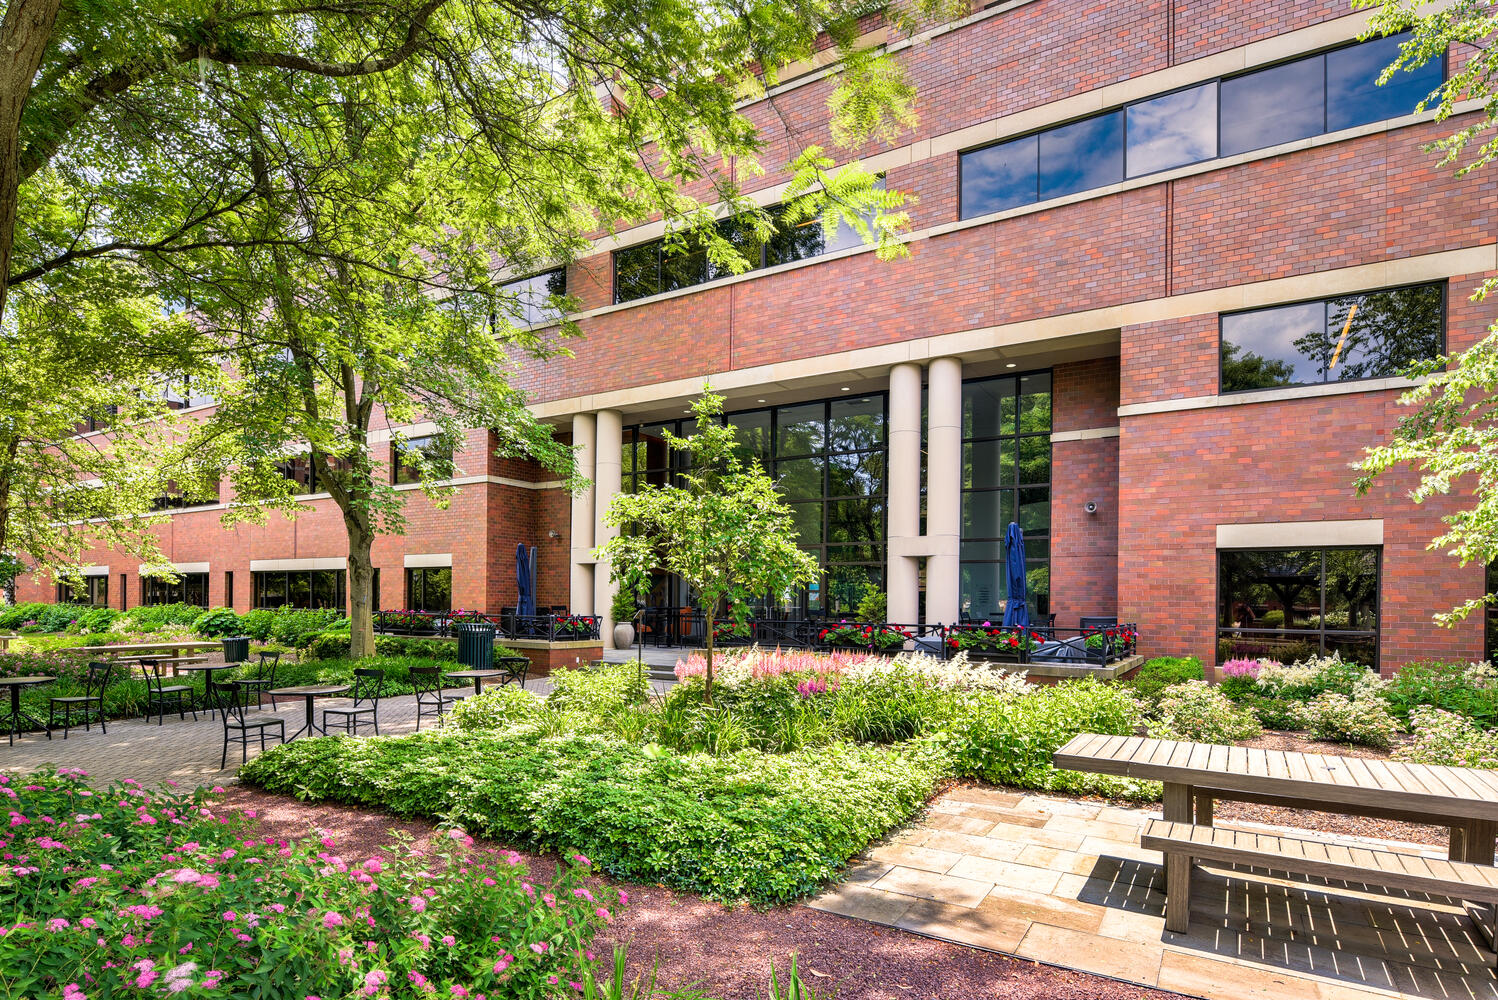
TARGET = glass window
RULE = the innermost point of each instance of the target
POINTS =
(803, 429)
(1289, 604)
(530, 301)
(1081, 156)
(1173, 130)
(1353, 96)
(752, 432)
(92, 590)
(1374, 335)
(637, 272)
(988, 408)
(429, 450)
(683, 264)
(1000, 177)
(855, 424)
(191, 588)
(1274, 105)
(858, 474)
(429, 588)
(986, 463)
(322, 588)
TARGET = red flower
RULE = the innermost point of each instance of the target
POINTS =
(1013, 641)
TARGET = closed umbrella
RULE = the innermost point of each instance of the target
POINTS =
(522, 582)
(1017, 611)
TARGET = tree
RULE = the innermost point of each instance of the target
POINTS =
(1452, 435)
(726, 530)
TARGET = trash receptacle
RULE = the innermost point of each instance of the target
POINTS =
(236, 648)
(476, 645)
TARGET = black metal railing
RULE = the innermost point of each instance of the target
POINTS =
(549, 626)
(1087, 645)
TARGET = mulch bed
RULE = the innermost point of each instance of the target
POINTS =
(726, 951)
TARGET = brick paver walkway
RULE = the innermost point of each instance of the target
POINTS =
(1065, 882)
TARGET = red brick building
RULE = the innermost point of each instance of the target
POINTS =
(1167, 261)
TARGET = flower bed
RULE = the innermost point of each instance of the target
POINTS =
(875, 637)
(127, 892)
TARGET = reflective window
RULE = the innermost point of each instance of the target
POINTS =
(408, 459)
(1274, 105)
(1354, 98)
(1173, 130)
(531, 301)
(1081, 156)
(1372, 335)
(429, 588)
(319, 588)
(1290, 604)
(1006, 475)
(190, 588)
(1000, 177)
(93, 590)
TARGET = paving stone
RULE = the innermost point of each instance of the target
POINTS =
(923, 858)
(1091, 828)
(1137, 963)
(1039, 907)
(985, 796)
(1200, 976)
(865, 871)
(1007, 873)
(854, 900)
(1035, 835)
(987, 928)
(983, 847)
(929, 885)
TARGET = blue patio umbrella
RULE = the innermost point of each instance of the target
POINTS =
(525, 599)
(1017, 610)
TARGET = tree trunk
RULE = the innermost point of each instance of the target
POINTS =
(24, 35)
(707, 695)
(360, 585)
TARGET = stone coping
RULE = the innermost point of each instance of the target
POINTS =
(545, 644)
(1072, 671)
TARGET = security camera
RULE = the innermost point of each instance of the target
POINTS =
(1090, 506)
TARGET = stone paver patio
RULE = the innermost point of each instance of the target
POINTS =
(1065, 882)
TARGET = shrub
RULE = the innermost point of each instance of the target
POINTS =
(50, 617)
(1195, 710)
(155, 890)
(1160, 673)
(1273, 713)
(296, 627)
(1442, 737)
(257, 623)
(16, 615)
(1340, 719)
(217, 623)
(334, 645)
(1469, 689)
(497, 708)
(1305, 679)
(154, 617)
(873, 606)
(95, 620)
(763, 827)
(598, 690)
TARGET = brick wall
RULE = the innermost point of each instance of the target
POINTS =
(1084, 547)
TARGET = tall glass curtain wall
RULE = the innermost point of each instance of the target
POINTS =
(1293, 100)
(1288, 604)
(1006, 476)
(829, 459)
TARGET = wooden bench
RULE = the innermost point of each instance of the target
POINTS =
(1364, 866)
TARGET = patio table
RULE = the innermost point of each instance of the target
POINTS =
(16, 715)
(309, 692)
(208, 670)
(477, 676)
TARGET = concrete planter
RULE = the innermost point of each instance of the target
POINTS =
(624, 635)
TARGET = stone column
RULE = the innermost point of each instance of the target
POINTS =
(580, 598)
(607, 482)
(902, 576)
(943, 489)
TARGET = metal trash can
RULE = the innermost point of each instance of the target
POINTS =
(236, 648)
(476, 645)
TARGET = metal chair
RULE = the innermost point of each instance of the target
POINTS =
(1099, 621)
(92, 699)
(158, 694)
(368, 682)
(232, 699)
(430, 698)
(515, 668)
(264, 680)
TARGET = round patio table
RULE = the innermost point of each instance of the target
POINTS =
(477, 676)
(209, 669)
(309, 692)
(16, 715)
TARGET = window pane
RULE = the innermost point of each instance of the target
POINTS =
(1081, 156)
(796, 241)
(989, 550)
(988, 463)
(635, 274)
(801, 478)
(986, 513)
(752, 432)
(855, 520)
(741, 234)
(988, 408)
(1269, 347)
(1035, 404)
(1034, 513)
(802, 429)
(807, 518)
(682, 265)
(982, 586)
(1034, 460)
(856, 475)
(1173, 130)
(1351, 589)
(1353, 96)
(1273, 105)
(999, 177)
(1270, 589)
(1389, 331)
(437, 590)
(856, 423)
(526, 301)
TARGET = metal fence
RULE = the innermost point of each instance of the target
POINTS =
(551, 627)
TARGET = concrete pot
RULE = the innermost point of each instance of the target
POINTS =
(624, 635)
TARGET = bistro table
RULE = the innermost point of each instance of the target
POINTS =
(309, 692)
(16, 715)
(477, 676)
(208, 670)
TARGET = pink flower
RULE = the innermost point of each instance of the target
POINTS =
(540, 947)
(57, 924)
(584, 894)
(623, 898)
(331, 920)
(229, 916)
(581, 859)
(373, 865)
(604, 915)
(187, 876)
(458, 991)
(373, 980)
(550, 900)
(552, 980)
(449, 940)
(418, 905)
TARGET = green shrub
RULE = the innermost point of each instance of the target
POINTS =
(1160, 673)
(296, 627)
(257, 623)
(1364, 721)
(1468, 689)
(216, 623)
(598, 690)
(497, 708)
(763, 827)
(1195, 710)
(16, 615)
(51, 617)
(873, 606)
(332, 645)
(1448, 739)
(1273, 713)
(328, 646)
(154, 617)
(95, 620)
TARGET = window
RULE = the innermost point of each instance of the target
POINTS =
(667, 265)
(191, 588)
(1490, 616)
(318, 588)
(98, 421)
(1372, 335)
(1289, 604)
(300, 471)
(174, 500)
(433, 455)
(229, 588)
(429, 588)
(1006, 476)
(1310, 96)
(531, 301)
(93, 590)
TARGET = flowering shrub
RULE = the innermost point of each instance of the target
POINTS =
(573, 626)
(1340, 719)
(495, 708)
(1469, 689)
(408, 621)
(740, 668)
(1442, 737)
(125, 892)
(989, 638)
(1195, 710)
(730, 631)
(883, 638)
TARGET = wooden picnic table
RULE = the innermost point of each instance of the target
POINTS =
(1195, 775)
(174, 645)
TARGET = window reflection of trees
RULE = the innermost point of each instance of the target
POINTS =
(1287, 603)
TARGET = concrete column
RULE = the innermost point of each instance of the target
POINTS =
(606, 485)
(902, 573)
(580, 598)
(943, 489)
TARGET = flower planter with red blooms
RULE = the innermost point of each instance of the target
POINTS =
(994, 642)
(730, 634)
(860, 637)
(408, 622)
(566, 627)
(1113, 641)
